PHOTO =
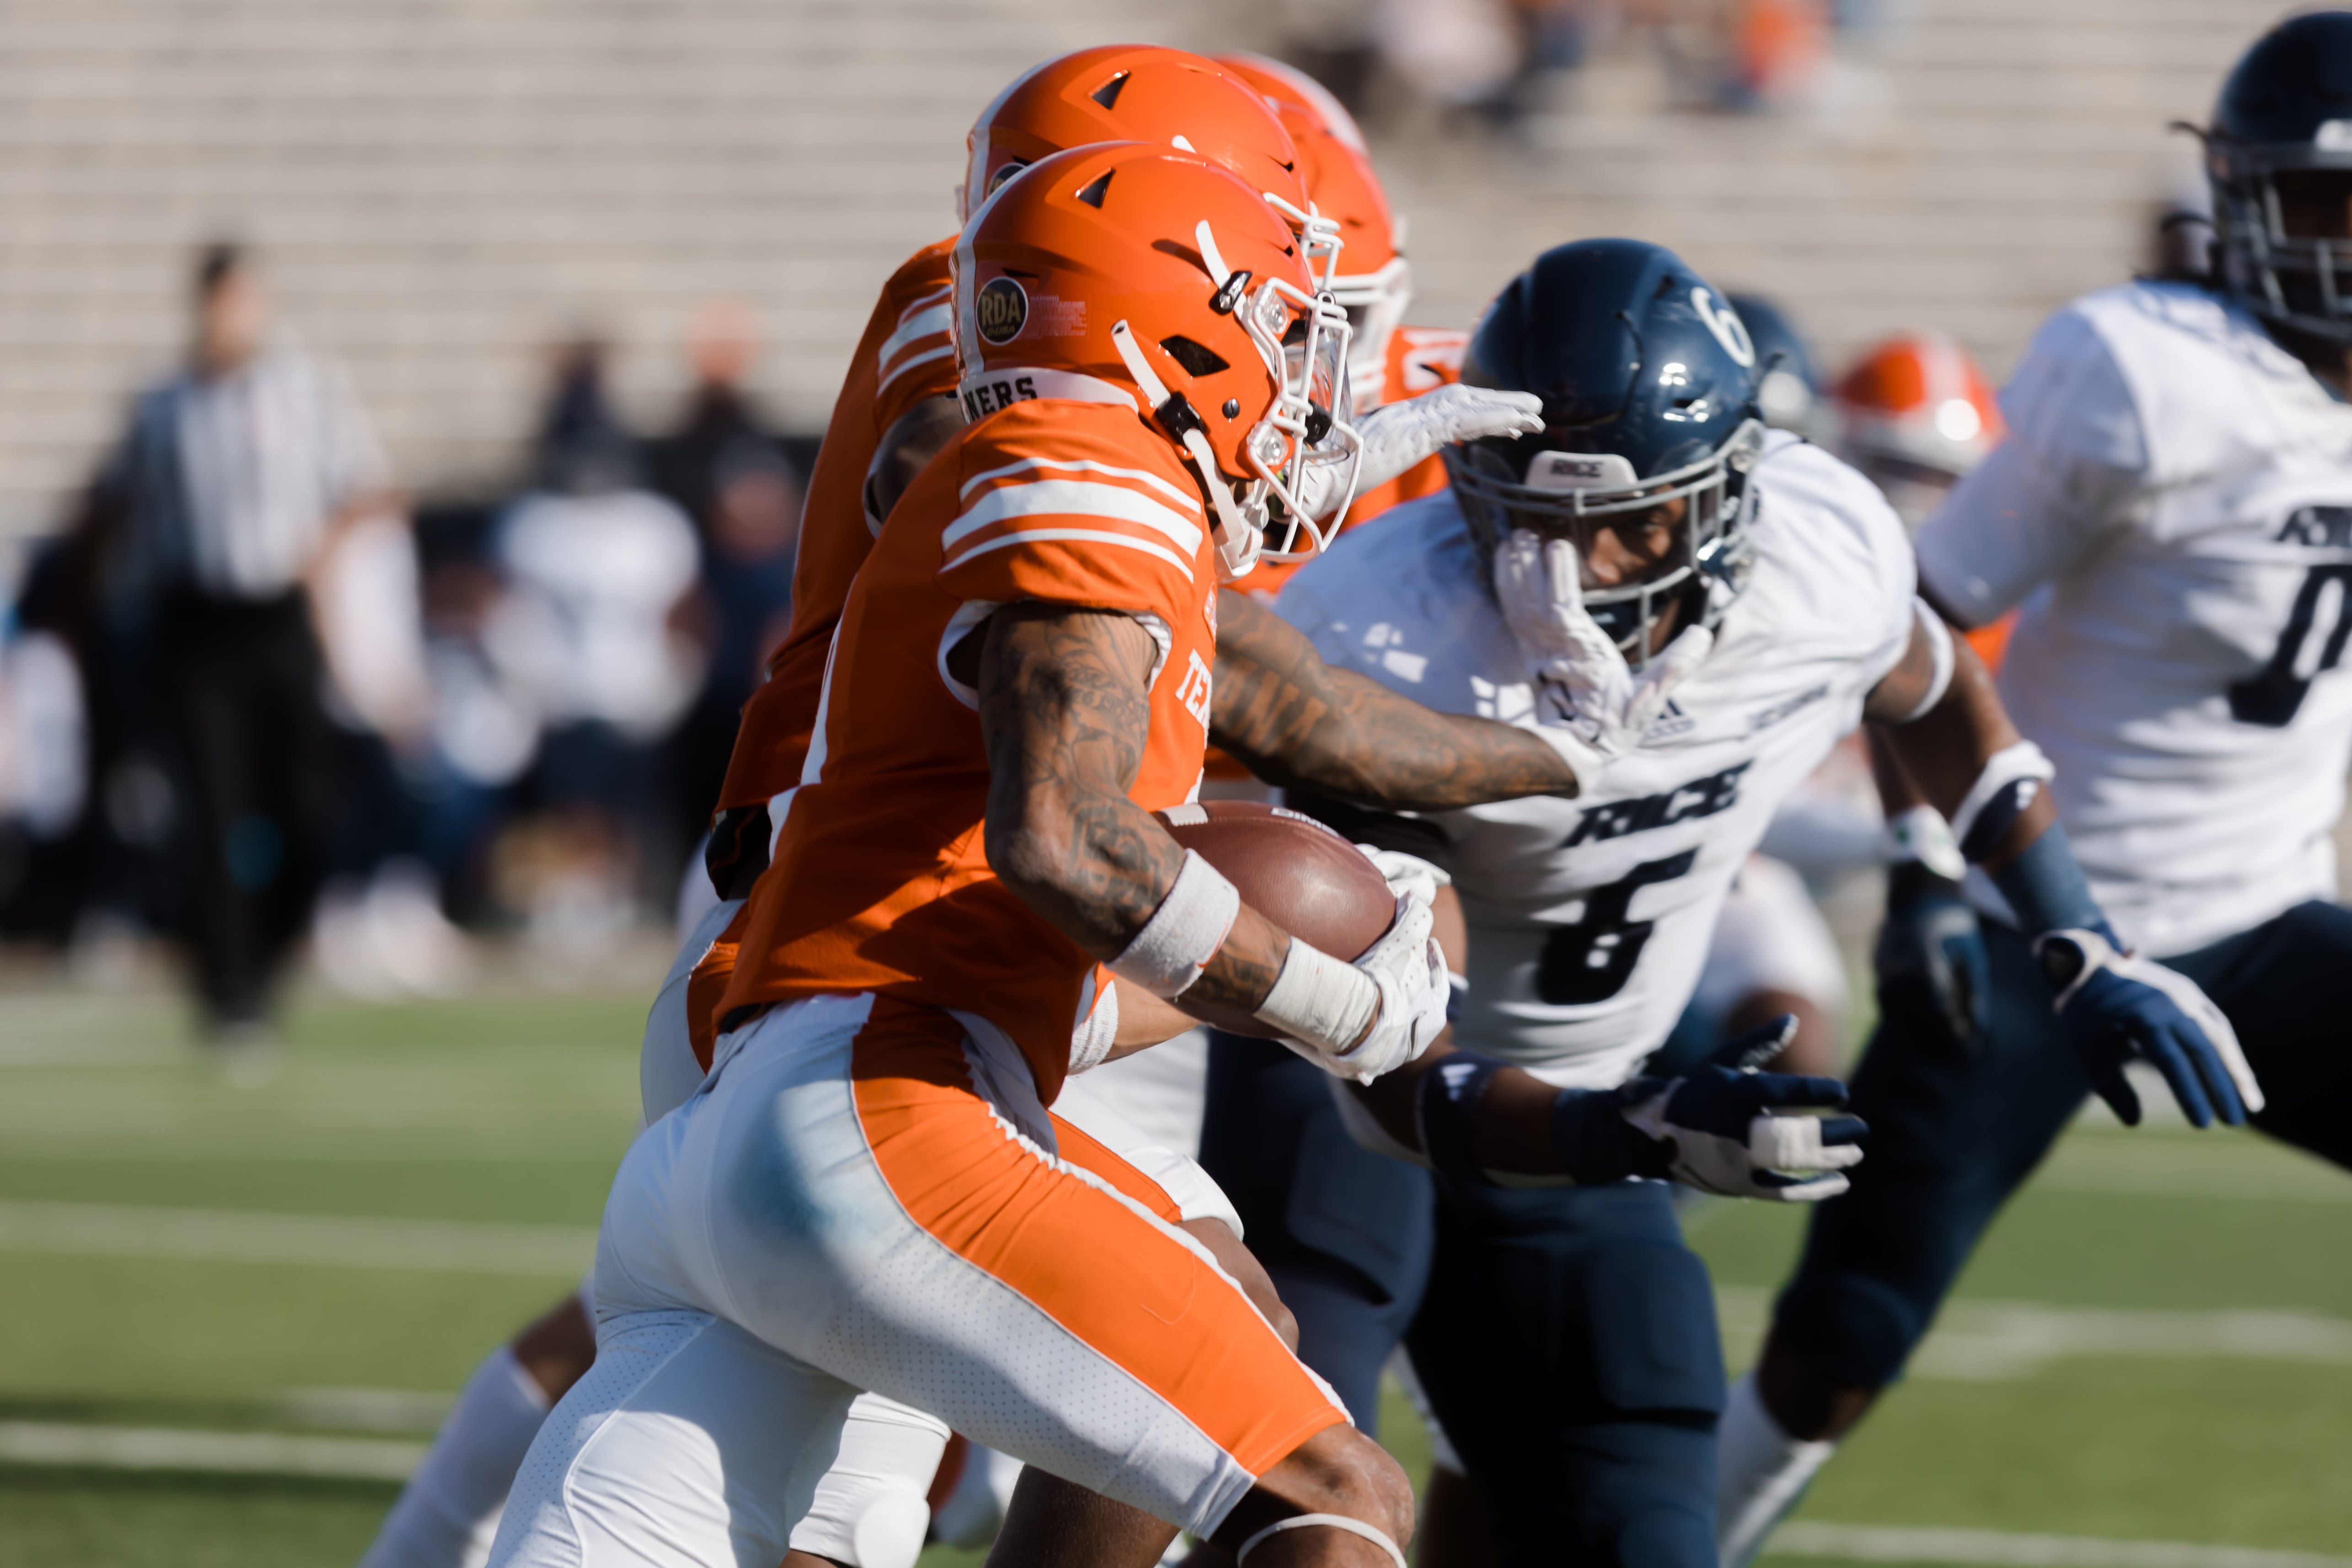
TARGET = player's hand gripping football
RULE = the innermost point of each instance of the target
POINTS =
(2116, 1005)
(1540, 591)
(1730, 1130)
(1410, 971)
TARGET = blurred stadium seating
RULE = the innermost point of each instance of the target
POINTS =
(445, 185)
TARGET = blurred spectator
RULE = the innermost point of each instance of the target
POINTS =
(380, 930)
(1775, 52)
(1462, 54)
(723, 344)
(597, 568)
(232, 478)
(725, 469)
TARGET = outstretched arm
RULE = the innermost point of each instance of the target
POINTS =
(1947, 729)
(1297, 722)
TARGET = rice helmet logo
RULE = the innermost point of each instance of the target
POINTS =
(1001, 311)
(1728, 329)
(1579, 471)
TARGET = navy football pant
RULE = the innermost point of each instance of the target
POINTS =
(1567, 1338)
(1344, 1234)
(1568, 1345)
(1954, 1133)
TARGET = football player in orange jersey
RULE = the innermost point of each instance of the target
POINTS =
(863, 1194)
(1275, 699)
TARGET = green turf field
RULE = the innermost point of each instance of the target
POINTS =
(2156, 1344)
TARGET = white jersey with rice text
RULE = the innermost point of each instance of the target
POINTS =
(2173, 509)
(1590, 919)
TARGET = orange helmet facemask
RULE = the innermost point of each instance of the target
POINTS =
(1133, 274)
(1371, 281)
(1139, 92)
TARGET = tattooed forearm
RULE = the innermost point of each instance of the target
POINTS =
(1295, 719)
(1066, 711)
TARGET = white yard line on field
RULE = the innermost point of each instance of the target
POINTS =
(380, 1460)
(1995, 1549)
(1979, 1341)
(243, 1453)
(220, 1236)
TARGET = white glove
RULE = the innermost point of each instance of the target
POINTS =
(1410, 991)
(1409, 876)
(1729, 1130)
(1781, 1159)
(1541, 594)
(2108, 1015)
(1396, 436)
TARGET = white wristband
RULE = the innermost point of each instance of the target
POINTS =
(2003, 768)
(1177, 942)
(1091, 1041)
(1939, 640)
(1320, 1000)
(1921, 833)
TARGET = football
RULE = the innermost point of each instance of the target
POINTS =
(1292, 869)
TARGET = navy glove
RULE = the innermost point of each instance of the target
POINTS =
(1730, 1130)
(1930, 962)
(2115, 1006)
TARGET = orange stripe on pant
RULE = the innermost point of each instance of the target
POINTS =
(1129, 1287)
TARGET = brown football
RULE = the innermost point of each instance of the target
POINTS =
(1292, 869)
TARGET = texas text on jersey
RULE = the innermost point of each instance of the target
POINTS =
(2173, 509)
(1590, 918)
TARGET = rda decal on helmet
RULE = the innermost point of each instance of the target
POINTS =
(1001, 311)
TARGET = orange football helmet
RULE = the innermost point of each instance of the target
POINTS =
(1373, 282)
(1140, 92)
(1914, 414)
(1132, 273)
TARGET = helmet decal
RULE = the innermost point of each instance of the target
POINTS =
(1725, 323)
(1001, 311)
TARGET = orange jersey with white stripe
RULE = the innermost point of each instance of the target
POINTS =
(880, 879)
(1419, 359)
(905, 356)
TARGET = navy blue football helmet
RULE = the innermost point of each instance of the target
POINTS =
(1648, 382)
(2279, 154)
(1787, 384)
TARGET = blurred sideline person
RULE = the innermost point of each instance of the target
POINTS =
(234, 474)
(724, 468)
(598, 567)
(896, 408)
(2170, 515)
